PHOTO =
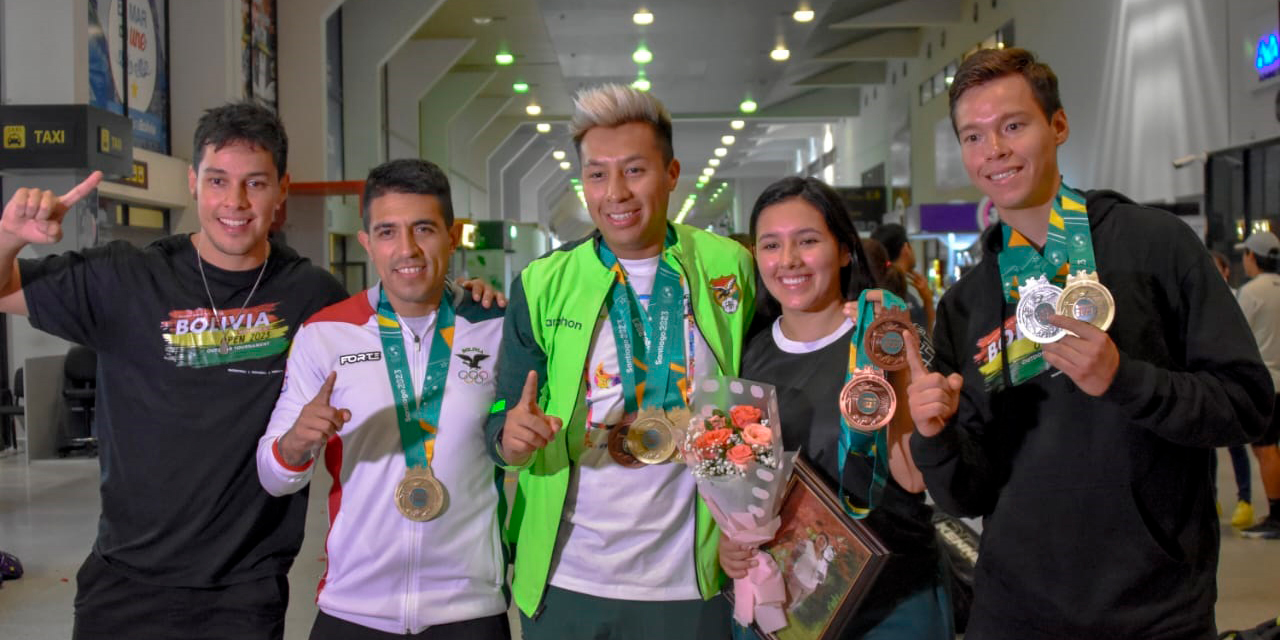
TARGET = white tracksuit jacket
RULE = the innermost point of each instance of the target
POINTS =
(385, 571)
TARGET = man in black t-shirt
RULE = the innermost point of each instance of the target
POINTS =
(192, 333)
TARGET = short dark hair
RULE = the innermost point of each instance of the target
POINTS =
(855, 276)
(893, 237)
(412, 176)
(1268, 263)
(986, 65)
(246, 122)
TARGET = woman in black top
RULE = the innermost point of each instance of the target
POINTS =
(810, 262)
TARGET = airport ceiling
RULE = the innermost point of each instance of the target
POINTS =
(708, 56)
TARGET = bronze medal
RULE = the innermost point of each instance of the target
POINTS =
(867, 401)
(1086, 299)
(420, 496)
(886, 339)
(618, 447)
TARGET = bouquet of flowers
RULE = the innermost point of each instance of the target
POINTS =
(734, 449)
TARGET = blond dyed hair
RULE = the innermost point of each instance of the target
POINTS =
(613, 105)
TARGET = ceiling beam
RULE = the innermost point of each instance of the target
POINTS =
(845, 75)
(907, 13)
(895, 43)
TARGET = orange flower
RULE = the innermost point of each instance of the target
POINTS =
(743, 415)
(757, 433)
(712, 439)
(740, 455)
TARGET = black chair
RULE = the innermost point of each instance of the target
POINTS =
(11, 410)
(79, 391)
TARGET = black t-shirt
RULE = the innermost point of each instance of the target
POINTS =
(808, 387)
(179, 413)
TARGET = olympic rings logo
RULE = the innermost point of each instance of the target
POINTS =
(473, 376)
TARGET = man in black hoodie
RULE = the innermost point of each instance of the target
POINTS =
(1089, 456)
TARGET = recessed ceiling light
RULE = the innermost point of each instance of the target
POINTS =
(565, 165)
(721, 152)
(780, 53)
(715, 162)
(736, 125)
(803, 13)
(482, 20)
(708, 172)
(544, 127)
(727, 140)
(533, 109)
(558, 154)
(504, 58)
(642, 55)
(642, 17)
(520, 87)
(748, 106)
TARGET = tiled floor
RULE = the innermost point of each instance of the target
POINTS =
(48, 516)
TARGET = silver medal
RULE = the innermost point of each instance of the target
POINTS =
(1037, 301)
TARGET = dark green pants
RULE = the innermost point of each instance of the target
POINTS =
(568, 615)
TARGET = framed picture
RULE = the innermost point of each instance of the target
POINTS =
(829, 560)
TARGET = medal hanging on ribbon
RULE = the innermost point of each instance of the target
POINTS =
(651, 363)
(867, 401)
(420, 496)
(1034, 280)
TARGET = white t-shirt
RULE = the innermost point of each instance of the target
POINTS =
(1260, 300)
(627, 534)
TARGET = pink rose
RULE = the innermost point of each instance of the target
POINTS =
(757, 433)
(740, 454)
(716, 421)
(712, 439)
(743, 415)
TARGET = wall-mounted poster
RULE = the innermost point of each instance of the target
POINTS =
(129, 65)
(258, 53)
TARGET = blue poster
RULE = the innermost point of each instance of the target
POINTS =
(132, 35)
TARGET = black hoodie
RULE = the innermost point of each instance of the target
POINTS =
(1099, 511)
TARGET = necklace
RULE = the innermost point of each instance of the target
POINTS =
(223, 347)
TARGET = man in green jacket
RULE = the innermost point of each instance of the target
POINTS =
(611, 539)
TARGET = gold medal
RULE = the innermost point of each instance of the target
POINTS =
(1037, 300)
(420, 496)
(867, 401)
(885, 342)
(1087, 300)
(651, 438)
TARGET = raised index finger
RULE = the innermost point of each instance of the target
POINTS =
(81, 190)
(326, 389)
(914, 361)
(530, 393)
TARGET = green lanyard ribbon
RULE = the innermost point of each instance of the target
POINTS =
(1068, 249)
(649, 341)
(873, 445)
(419, 418)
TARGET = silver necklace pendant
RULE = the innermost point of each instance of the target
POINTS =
(224, 346)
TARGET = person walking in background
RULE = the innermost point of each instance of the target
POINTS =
(1260, 300)
(902, 257)
(1242, 514)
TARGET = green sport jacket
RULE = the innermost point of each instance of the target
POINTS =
(552, 313)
